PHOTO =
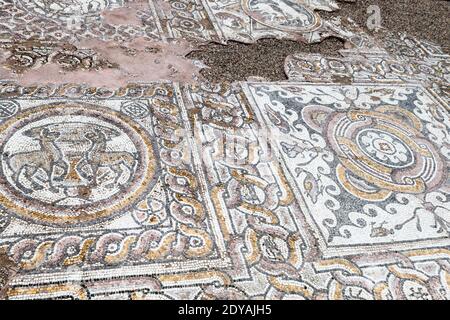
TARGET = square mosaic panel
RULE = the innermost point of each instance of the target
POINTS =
(369, 163)
(96, 187)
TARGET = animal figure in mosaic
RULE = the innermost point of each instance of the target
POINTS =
(30, 162)
(313, 188)
(98, 157)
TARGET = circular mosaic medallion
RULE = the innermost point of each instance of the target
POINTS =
(69, 164)
(285, 15)
(66, 8)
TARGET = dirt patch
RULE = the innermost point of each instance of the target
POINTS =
(423, 19)
(265, 58)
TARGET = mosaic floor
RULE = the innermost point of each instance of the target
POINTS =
(334, 184)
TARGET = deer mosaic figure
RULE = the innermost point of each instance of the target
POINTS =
(98, 157)
(28, 163)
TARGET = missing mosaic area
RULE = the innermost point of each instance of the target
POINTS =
(412, 61)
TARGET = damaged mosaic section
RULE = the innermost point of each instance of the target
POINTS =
(249, 20)
(399, 59)
(70, 21)
(245, 20)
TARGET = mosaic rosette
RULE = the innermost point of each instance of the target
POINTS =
(389, 155)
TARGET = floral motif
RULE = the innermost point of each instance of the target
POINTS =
(385, 148)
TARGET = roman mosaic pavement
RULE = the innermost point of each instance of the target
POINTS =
(334, 184)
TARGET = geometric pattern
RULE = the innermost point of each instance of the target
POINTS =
(128, 188)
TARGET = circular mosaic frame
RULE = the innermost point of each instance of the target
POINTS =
(246, 6)
(24, 207)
